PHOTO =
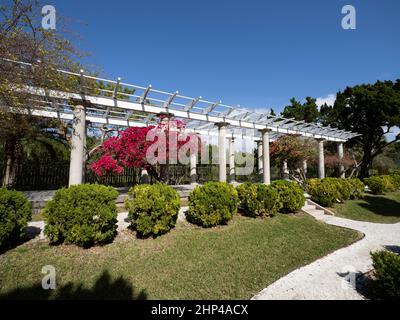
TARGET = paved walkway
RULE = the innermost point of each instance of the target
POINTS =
(329, 277)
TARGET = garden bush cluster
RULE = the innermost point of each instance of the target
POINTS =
(258, 200)
(83, 214)
(212, 204)
(384, 183)
(153, 209)
(328, 191)
(387, 273)
(15, 213)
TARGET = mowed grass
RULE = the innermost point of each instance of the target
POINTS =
(373, 208)
(228, 262)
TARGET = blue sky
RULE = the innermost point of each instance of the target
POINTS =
(257, 54)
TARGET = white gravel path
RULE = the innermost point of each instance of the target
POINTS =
(325, 279)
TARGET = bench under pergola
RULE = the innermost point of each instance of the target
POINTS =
(142, 106)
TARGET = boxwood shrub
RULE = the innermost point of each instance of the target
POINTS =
(357, 188)
(328, 191)
(153, 209)
(212, 204)
(387, 273)
(258, 200)
(291, 196)
(380, 184)
(396, 179)
(15, 213)
(83, 214)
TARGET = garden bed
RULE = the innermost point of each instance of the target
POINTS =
(227, 262)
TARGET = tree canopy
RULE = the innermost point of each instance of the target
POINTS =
(307, 111)
(371, 110)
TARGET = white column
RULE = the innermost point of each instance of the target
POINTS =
(193, 167)
(321, 159)
(78, 139)
(340, 155)
(304, 166)
(222, 150)
(285, 171)
(260, 158)
(231, 160)
(265, 152)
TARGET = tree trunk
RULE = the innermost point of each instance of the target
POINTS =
(10, 157)
(366, 165)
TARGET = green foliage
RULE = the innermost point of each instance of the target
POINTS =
(153, 209)
(380, 184)
(15, 213)
(328, 191)
(291, 196)
(370, 110)
(212, 204)
(258, 199)
(307, 111)
(395, 179)
(83, 214)
(387, 273)
(357, 188)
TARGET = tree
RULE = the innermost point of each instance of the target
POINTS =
(146, 148)
(292, 149)
(308, 111)
(23, 39)
(371, 110)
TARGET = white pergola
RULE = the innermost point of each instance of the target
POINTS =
(142, 106)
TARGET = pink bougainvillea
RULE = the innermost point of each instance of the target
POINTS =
(130, 147)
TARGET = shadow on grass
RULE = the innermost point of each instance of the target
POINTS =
(104, 289)
(381, 205)
(30, 233)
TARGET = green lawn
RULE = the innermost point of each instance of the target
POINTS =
(228, 262)
(379, 209)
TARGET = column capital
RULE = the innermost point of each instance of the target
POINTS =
(168, 115)
(221, 124)
(320, 139)
(264, 130)
(80, 102)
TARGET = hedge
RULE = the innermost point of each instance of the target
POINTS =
(212, 204)
(83, 214)
(291, 196)
(15, 213)
(328, 191)
(381, 184)
(387, 273)
(258, 200)
(153, 209)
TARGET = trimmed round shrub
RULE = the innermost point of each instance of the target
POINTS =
(328, 191)
(83, 215)
(153, 209)
(357, 188)
(343, 187)
(291, 196)
(396, 179)
(15, 213)
(322, 192)
(380, 184)
(212, 204)
(258, 200)
(387, 272)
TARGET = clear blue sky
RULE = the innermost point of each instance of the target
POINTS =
(254, 53)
